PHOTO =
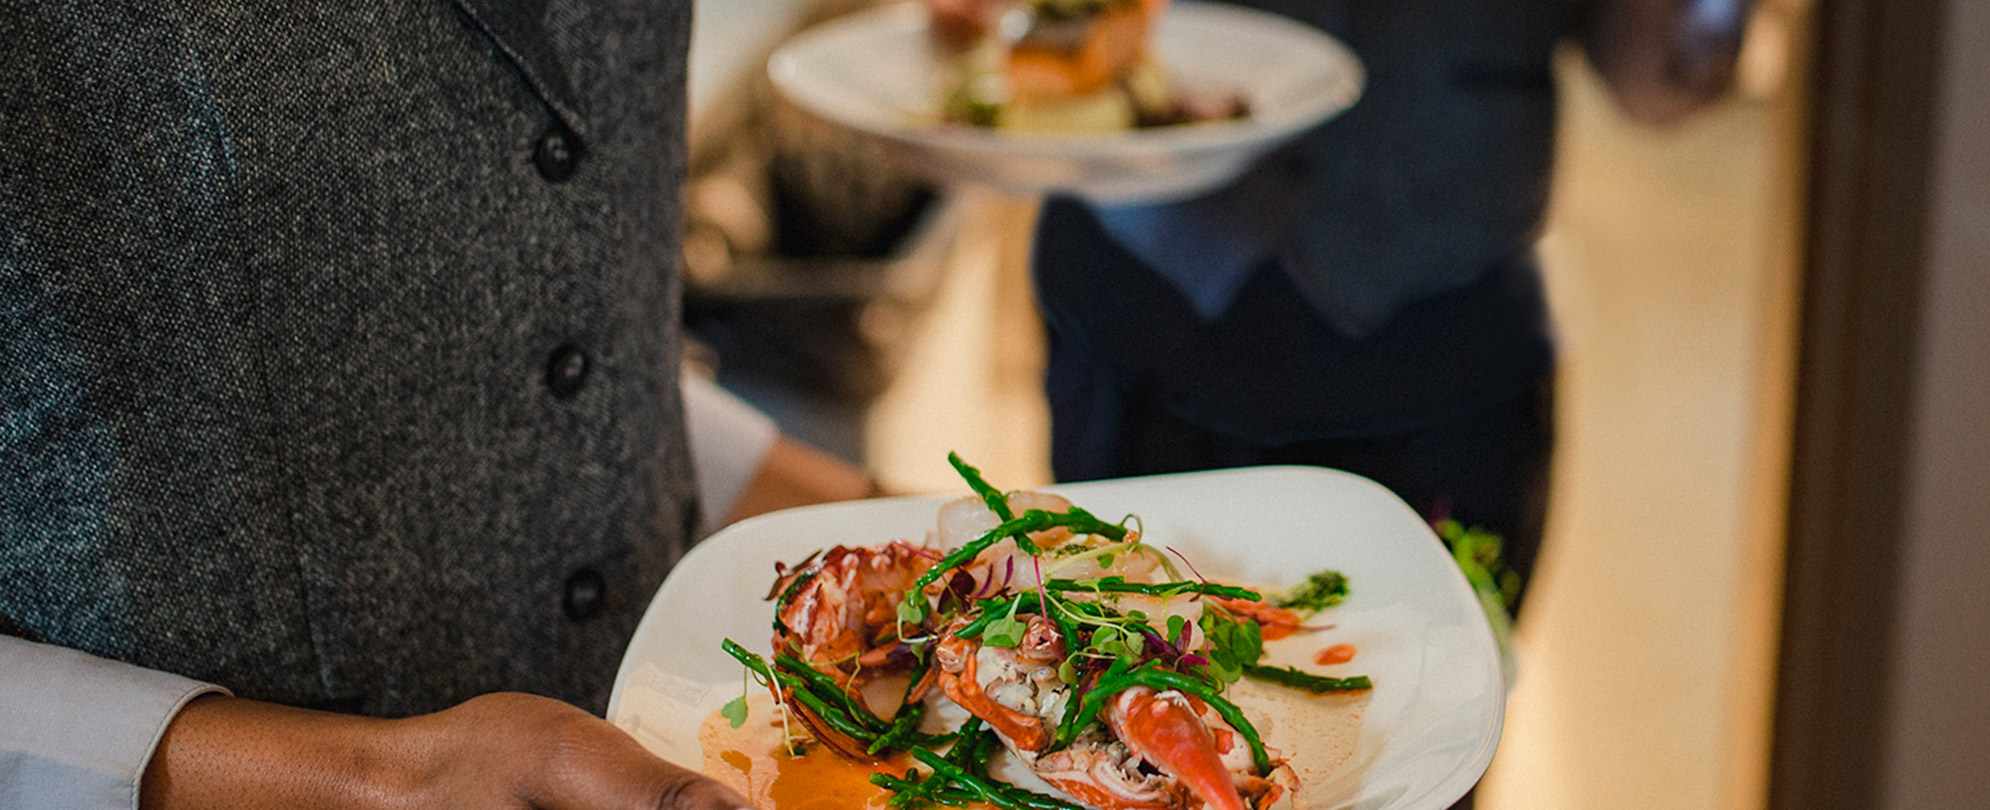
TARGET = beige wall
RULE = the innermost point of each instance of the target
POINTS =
(1940, 712)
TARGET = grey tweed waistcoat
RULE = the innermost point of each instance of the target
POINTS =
(337, 340)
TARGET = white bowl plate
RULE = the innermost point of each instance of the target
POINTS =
(1423, 737)
(875, 72)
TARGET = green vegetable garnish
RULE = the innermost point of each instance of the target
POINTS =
(1007, 797)
(1118, 584)
(834, 709)
(907, 721)
(830, 691)
(1317, 684)
(961, 777)
(914, 791)
(997, 502)
(1033, 520)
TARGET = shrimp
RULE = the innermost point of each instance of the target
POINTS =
(839, 615)
(1156, 751)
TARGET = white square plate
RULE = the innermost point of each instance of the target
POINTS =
(1418, 741)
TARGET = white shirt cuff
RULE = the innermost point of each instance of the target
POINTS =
(75, 730)
(729, 441)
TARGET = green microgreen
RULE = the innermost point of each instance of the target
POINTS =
(1004, 632)
(1116, 642)
(911, 610)
(1231, 645)
(734, 711)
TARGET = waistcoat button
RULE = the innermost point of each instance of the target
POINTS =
(585, 592)
(566, 370)
(557, 154)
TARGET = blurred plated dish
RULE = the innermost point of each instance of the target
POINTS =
(1118, 101)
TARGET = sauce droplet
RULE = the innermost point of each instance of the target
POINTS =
(1337, 654)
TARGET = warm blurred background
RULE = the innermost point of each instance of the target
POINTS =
(891, 322)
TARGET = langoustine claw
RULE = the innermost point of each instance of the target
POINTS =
(1167, 751)
(1165, 728)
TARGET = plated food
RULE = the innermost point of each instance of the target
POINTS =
(1026, 624)
(1062, 66)
(889, 72)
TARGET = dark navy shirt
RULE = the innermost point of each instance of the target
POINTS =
(1378, 273)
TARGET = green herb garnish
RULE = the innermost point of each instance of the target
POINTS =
(1319, 592)
(1117, 643)
(1233, 644)
(735, 711)
(1004, 632)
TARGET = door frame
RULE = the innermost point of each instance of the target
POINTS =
(1874, 101)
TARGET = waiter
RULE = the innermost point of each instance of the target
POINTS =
(340, 438)
(1369, 298)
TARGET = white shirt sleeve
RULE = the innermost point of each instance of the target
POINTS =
(729, 440)
(75, 730)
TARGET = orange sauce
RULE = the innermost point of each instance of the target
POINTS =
(1337, 654)
(751, 760)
